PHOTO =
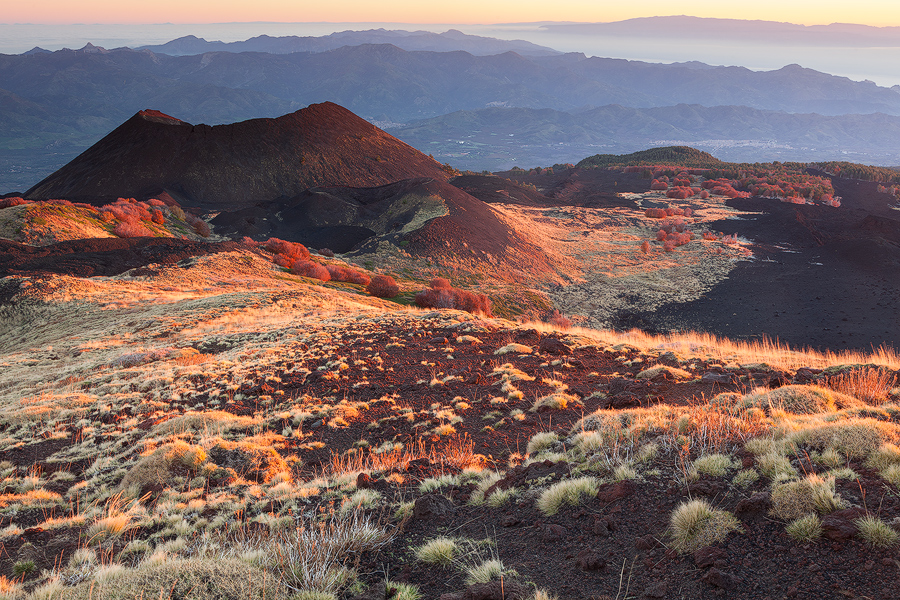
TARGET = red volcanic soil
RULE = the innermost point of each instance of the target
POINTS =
(580, 552)
(236, 165)
(609, 542)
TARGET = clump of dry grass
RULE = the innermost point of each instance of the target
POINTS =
(197, 578)
(158, 468)
(440, 551)
(812, 494)
(805, 529)
(876, 532)
(314, 556)
(799, 399)
(554, 401)
(569, 491)
(695, 524)
(458, 453)
(854, 438)
(663, 371)
(209, 423)
(872, 386)
(541, 441)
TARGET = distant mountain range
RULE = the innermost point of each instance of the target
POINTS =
(449, 41)
(55, 104)
(497, 138)
(675, 27)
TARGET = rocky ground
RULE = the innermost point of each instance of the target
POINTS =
(179, 418)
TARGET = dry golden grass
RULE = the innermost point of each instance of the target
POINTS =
(457, 453)
(705, 345)
(872, 386)
(195, 578)
(207, 423)
(158, 468)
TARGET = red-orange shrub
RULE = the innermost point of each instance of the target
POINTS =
(346, 274)
(442, 295)
(383, 286)
(439, 283)
(131, 229)
(558, 320)
(14, 201)
(292, 250)
(283, 260)
(660, 235)
(157, 216)
(307, 268)
(658, 185)
(655, 213)
(645, 247)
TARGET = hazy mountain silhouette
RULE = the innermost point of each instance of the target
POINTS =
(448, 41)
(684, 121)
(833, 35)
(57, 103)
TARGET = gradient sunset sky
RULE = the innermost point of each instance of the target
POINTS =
(807, 12)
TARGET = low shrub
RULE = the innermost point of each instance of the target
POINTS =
(293, 250)
(131, 229)
(563, 322)
(383, 286)
(442, 295)
(15, 201)
(655, 213)
(307, 268)
(679, 193)
(200, 226)
(346, 274)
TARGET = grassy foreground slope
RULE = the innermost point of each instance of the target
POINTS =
(219, 428)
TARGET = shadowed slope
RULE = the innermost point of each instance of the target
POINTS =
(230, 166)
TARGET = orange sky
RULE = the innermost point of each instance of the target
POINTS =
(809, 12)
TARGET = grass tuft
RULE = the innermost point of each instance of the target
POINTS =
(794, 499)
(569, 491)
(876, 532)
(439, 551)
(805, 529)
(695, 524)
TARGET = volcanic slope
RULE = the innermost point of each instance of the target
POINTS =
(236, 165)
